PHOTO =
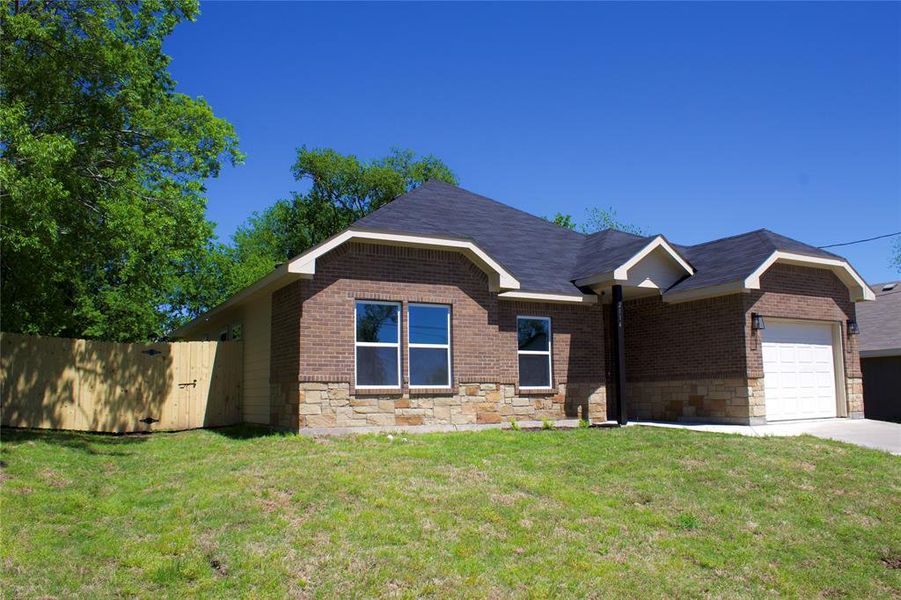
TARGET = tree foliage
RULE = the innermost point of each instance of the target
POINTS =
(340, 188)
(896, 255)
(102, 166)
(597, 219)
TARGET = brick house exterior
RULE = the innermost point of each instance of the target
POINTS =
(317, 390)
(690, 350)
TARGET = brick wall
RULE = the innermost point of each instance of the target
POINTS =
(688, 360)
(689, 340)
(287, 310)
(316, 344)
(793, 292)
(697, 360)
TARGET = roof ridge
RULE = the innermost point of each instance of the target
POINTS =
(728, 237)
(499, 203)
(773, 234)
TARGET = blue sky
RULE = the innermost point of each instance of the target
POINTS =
(693, 120)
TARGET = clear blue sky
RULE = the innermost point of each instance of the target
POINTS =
(694, 120)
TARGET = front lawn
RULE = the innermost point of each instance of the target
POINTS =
(636, 512)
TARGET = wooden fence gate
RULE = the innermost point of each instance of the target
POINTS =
(86, 385)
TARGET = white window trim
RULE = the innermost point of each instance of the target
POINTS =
(447, 346)
(548, 352)
(358, 344)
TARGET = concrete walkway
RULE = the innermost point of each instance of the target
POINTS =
(880, 435)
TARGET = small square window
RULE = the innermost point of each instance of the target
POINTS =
(534, 352)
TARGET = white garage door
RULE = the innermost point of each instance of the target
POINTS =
(799, 371)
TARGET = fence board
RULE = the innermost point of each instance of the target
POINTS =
(87, 385)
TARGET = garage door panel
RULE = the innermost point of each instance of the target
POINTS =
(799, 375)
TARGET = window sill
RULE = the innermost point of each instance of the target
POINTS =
(432, 391)
(548, 391)
(368, 391)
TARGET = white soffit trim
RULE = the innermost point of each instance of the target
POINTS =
(859, 288)
(546, 297)
(621, 273)
(269, 283)
(499, 277)
(723, 289)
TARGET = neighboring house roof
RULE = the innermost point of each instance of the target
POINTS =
(880, 321)
(527, 257)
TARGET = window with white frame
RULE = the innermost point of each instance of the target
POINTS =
(429, 338)
(534, 350)
(377, 344)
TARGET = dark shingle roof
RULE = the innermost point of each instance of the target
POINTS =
(880, 321)
(538, 253)
(733, 258)
(547, 258)
(605, 250)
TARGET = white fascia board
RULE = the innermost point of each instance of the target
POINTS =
(854, 282)
(724, 289)
(549, 297)
(607, 277)
(260, 285)
(621, 273)
(499, 277)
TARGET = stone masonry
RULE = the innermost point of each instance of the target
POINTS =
(333, 405)
(730, 400)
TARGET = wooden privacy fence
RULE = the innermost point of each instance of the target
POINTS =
(56, 383)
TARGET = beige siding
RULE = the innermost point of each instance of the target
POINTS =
(255, 317)
(257, 325)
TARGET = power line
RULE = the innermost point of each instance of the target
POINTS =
(878, 237)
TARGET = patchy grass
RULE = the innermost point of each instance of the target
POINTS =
(637, 512)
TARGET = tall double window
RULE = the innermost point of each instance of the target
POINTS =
(534, 350)
(429, 343)
(378, 363)
(377, 349)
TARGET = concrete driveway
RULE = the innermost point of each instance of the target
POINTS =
(880, 435)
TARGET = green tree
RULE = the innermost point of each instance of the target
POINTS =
(597, 219)
(565, 221)
(102, 167)
(342, 189)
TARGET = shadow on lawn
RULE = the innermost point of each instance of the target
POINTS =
(102, 444)
(248, 431)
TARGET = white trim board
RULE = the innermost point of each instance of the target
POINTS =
(841, 268)
(859, 289)
(621, 273)
(499, 278)
(549, 297)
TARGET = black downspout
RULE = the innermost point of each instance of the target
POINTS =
(619, 355)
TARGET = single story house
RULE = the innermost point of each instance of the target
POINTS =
(447, 308)
(880, 353)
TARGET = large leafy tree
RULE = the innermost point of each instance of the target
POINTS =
(340, 188)
(102, 166)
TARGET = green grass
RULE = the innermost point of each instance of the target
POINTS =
(636, 512)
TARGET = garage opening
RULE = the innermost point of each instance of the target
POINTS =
(799, 370)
